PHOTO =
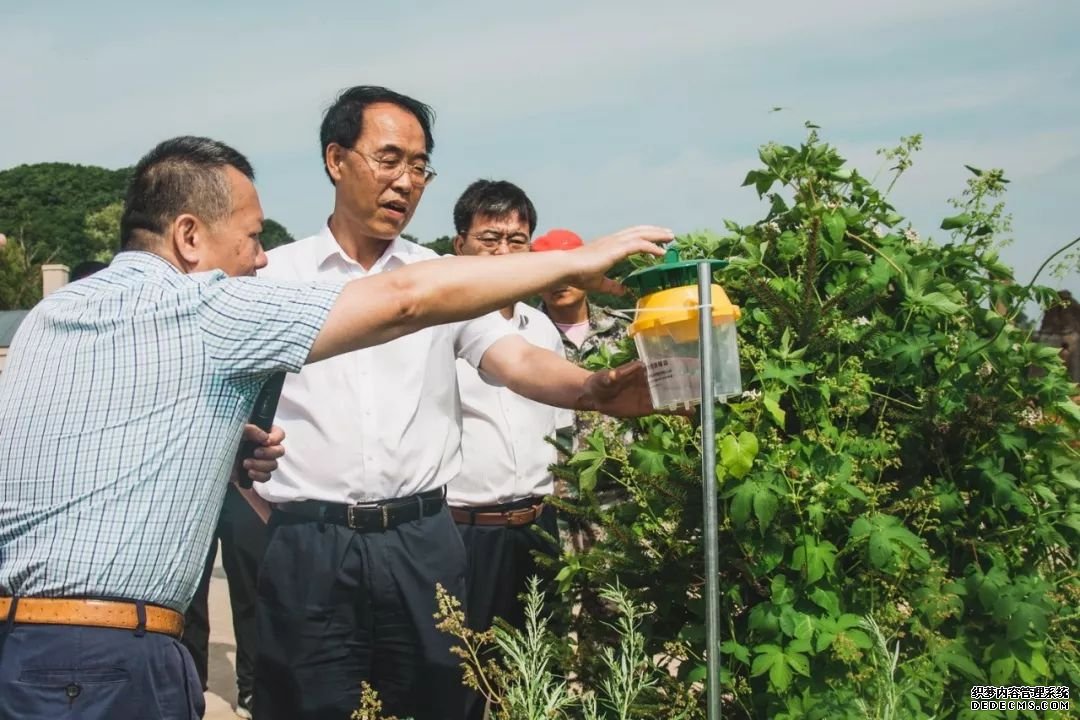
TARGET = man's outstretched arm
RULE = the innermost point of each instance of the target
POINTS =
(377, 309)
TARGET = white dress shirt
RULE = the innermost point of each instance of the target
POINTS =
(504, 454)
(378, 423)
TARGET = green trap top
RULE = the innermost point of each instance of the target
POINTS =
(670, 273)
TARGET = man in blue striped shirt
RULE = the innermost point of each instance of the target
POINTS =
(123, 404)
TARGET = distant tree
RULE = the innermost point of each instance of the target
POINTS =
(274, 235)
(47, 205)
(102, 231)
(20, 276)
(68, 213)
(443, 245)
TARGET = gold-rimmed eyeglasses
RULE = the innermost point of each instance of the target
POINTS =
(388, 169)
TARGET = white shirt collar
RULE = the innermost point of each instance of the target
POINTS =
(327, 247)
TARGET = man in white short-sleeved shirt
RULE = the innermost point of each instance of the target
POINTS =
(360, 534)
(497, 500)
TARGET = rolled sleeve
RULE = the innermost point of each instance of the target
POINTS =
(255, 326)
(473, 338)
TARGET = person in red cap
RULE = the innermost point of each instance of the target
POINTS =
(585, 328)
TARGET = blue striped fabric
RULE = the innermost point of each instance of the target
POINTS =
(121, 410)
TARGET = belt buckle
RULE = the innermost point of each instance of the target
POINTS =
(521, 516)
(354, 520)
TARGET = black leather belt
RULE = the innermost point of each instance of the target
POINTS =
(369, 517)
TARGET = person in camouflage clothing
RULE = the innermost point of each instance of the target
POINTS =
(590, 334)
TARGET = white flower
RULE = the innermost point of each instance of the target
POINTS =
(1031, 416)
(832, 205)
(772, 228)
(912, 236)
(985, 370)
(861, 321)
(751, 394)
(878, 232)
(953, 345)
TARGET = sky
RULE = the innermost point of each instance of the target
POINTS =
(608, 113)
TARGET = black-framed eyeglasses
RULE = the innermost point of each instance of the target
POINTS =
(492, 240)
(390, 169)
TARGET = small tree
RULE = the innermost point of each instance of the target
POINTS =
(20, 275)
(102, 230)
(895, 476)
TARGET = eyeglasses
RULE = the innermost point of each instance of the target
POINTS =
(388, 170)
(492, 240)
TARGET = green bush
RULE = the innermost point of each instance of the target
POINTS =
(900, 502)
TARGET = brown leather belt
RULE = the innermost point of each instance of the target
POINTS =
(500, 518)
(92, 613)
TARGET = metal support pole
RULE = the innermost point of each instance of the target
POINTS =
(709, 492)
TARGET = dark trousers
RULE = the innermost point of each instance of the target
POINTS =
(337, 607)
(500, 562)
(242, 535)
(63, 671)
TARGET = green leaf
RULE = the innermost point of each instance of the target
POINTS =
(742, 502)
(939, 302)
(1070, 408)
(1039, 664)
(780, 675)
(737, 453)
(764, 619)
(886, 539)
(815, 558)
(764, 507)
(881, 551)
(768, 656)
(835, 225)
(801, 645)
(958, 659)
(1027, 675)
(798, 663)
(796, 624)
(737, 651)
(974, 171)
(647, 461)
(787, 375)
(697, 674)
(848, 621)
(781, 593)
(956, 222)
(762, 181)
(587, 477)
(773, 408)
(1002, 670)
(860, 639)
(826, 600)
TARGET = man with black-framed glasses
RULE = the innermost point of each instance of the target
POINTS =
(497, 500)
(360, 533)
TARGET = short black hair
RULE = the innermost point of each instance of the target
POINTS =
(181, 175)
(343, 120)
(86, 269)
(493, 198)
